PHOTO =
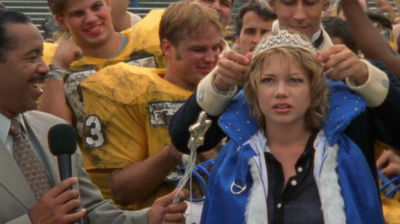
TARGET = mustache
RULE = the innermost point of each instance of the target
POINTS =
(40, 78)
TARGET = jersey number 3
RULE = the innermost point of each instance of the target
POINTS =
(94, 136)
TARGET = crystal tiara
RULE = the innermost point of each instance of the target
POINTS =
(283, 39)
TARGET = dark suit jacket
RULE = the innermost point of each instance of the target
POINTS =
(16, 197)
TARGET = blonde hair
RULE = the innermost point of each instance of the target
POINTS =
(310, 64)
(184, 19)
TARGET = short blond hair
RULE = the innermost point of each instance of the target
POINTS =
(186, 18)
(314, 71)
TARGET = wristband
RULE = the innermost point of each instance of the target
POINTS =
(58, 73)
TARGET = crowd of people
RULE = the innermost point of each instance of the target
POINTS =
(302, 106)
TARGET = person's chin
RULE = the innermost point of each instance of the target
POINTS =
(29, 105)
(202, 74)
(99, 38)
(302, 29)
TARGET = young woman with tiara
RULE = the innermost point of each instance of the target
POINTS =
(287, 159)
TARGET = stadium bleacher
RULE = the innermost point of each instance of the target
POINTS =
(37, 10)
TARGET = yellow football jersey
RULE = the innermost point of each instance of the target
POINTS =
(128, 109)
(391, 209)
(142, 49)
(390, 206)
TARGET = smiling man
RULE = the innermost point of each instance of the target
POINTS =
(94, 44)
(26, 65)
(90, 44)
(30, 186)
(303, 16)
(126, 145)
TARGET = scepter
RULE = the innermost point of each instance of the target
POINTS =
(197, 132)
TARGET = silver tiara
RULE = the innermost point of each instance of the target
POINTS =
(283, 39)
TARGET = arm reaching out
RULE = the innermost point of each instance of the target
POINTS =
(361, 28)
(53, 99)
(138, 180)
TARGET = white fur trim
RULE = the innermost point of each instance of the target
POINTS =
(193, 212)
(326, 178)
(332, 203)
(256, 210)
(259, 143)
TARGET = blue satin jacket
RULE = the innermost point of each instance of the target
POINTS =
(231, 181)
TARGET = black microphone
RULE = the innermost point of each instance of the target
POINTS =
(62, 143)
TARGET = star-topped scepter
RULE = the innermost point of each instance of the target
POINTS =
(197, 132)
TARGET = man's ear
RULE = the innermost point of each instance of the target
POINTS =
(61, 22)
(167, 48)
